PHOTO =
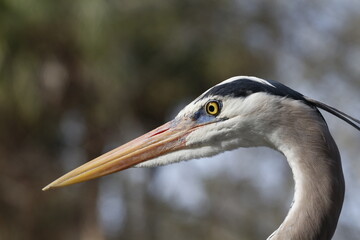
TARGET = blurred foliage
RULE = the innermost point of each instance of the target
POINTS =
(80, 77)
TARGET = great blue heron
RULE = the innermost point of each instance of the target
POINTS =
(246, 112)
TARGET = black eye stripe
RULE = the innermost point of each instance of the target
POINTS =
(245, 87)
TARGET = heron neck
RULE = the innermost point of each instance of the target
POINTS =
(319, 183)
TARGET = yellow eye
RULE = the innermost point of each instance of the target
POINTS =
(213, 108)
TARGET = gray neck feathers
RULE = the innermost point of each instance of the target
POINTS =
(314, 158)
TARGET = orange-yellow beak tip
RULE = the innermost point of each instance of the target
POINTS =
(47, 187)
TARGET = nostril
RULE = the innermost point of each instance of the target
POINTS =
(159, 132)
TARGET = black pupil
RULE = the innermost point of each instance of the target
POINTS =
(211, 108)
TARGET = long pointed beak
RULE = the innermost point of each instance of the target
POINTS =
(165, 139)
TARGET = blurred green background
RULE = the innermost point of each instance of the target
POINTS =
(78, 78)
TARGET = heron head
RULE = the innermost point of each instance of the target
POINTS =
(227, 116)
